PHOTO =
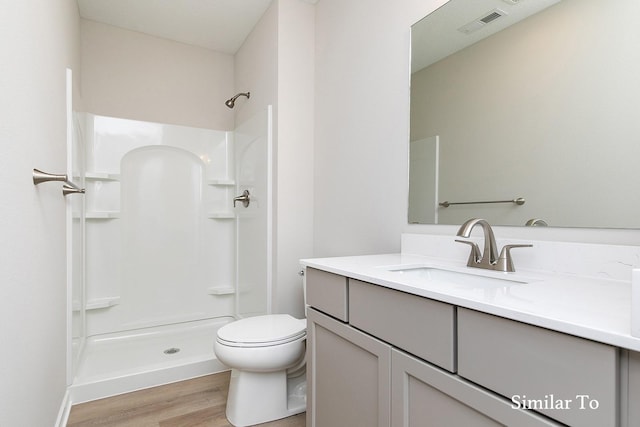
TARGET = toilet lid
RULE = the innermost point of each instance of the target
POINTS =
(270, 329)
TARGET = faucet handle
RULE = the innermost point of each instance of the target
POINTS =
(505, 262)
(474, 255)
(244, 198)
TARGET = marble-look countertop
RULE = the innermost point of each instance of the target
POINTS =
(598, 309)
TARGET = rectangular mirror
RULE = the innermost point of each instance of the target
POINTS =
(530, 99)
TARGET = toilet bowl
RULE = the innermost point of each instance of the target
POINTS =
(266, 355)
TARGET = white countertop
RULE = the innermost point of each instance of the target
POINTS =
(598, 309)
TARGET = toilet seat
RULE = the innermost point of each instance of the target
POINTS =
(262, 331)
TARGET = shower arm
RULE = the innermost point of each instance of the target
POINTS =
(231, 102)
(68, 187)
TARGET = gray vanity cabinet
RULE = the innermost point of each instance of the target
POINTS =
(379, 357)
(348, 375)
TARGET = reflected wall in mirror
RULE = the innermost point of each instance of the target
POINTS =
(546, 109)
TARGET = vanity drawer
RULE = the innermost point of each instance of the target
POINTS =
(327, 292)
(545, 369)
(420, 326)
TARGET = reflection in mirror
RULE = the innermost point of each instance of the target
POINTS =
(545, 109)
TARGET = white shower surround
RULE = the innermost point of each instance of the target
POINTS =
(122, 344)
(108, 140)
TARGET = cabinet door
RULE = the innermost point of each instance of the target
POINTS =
(424, 396)
(348, 375)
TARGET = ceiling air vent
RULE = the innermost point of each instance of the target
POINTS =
(476, 24)
(491, 17)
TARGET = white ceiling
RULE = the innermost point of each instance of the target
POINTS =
(436, 36)
(220, 25)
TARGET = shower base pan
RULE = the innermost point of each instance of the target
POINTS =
(122, 362)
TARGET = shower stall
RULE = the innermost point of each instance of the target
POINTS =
(161, 253)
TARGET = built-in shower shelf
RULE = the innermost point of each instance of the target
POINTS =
(97, 303)
(221, 182)
(221, 290)
(102, 215)
(221, 215)
(99, 176)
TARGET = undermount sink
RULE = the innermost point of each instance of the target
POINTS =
(457, 278)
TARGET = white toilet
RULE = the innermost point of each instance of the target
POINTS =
(268, 376)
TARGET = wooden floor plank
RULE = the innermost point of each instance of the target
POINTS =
(299, 420)
(212, 416)
(199, 402)
(130, 404)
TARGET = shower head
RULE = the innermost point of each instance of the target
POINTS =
(231, 102)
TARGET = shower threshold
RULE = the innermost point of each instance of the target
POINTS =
(122, 362)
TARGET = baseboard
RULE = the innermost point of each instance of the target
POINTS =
(65, 409)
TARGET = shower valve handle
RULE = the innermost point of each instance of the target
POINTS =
(244, 198)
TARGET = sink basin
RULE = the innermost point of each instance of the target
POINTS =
(458, 278)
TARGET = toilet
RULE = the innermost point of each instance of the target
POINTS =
(266, 355)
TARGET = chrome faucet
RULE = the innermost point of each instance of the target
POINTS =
(489, 258)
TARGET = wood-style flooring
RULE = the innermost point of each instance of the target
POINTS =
(199, 402)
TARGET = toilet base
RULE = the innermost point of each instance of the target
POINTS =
(260, 397)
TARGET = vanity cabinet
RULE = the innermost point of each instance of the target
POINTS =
(360, 371)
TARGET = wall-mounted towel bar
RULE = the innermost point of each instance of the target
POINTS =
(518, 201)
(68, 187)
